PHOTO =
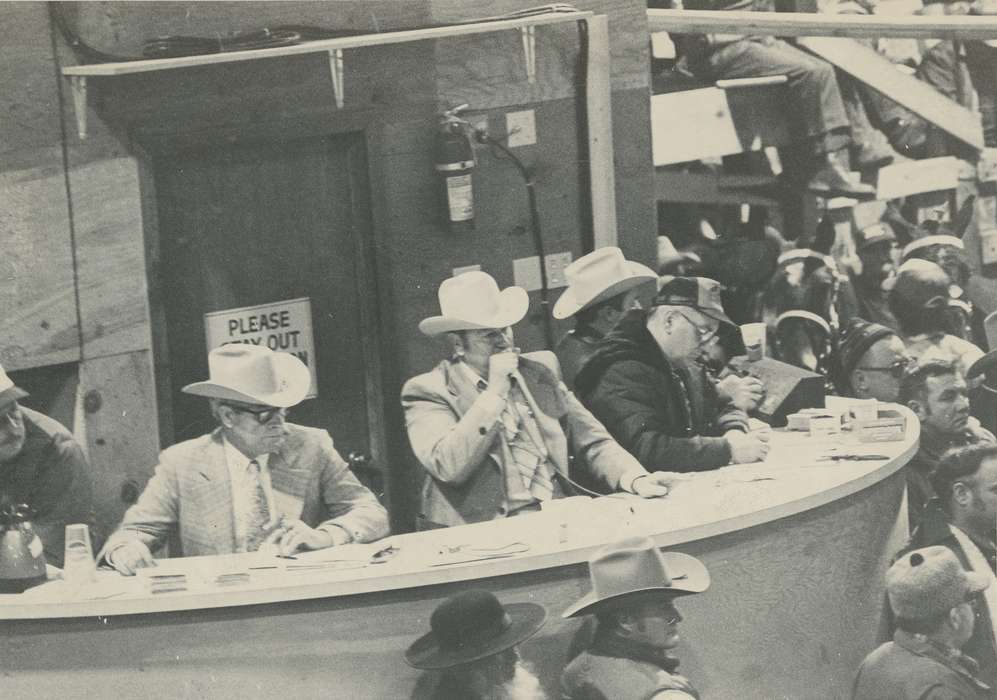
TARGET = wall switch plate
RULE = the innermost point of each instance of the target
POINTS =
(988, 247)
(526, 273)
(521, 128)
(465, 268)
(556, 262)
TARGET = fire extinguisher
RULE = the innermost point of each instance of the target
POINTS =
(454, 163)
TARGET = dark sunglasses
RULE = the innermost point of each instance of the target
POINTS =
(896, 370)
(262, 415)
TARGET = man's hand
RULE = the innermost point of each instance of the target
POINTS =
(745, 448)
(298, 535)
(745, 392)
(655, 484)
(501, 365)
(130, 557)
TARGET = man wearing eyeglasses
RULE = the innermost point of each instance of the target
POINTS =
(937, 394)
(43, 466)
(873, 361)
(257, 479)
(647, 383)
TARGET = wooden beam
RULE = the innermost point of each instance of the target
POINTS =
(710, 122)
(599, 115)
(816, 24)
(709, 188)
(917, 177)
(351, 42)
(878, 73)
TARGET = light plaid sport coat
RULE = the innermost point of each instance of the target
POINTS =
(191, 492)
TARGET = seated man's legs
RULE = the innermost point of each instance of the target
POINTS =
(821, 118)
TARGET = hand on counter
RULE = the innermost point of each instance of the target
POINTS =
(130, 557)
(746, 448)
(297, 535)
(654, 484)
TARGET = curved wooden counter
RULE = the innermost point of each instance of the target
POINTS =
(796, 548)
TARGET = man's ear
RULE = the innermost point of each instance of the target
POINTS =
(224, 414)
(858, 380)
(961, 493)
(918, 408)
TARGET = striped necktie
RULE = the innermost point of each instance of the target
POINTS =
(258, 513)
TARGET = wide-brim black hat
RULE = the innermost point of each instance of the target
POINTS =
(495, 628)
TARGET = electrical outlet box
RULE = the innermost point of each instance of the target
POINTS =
(465, 268)
(526, 273)
(521, 128)
(556, 262)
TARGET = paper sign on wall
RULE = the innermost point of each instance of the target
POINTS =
(283, 326)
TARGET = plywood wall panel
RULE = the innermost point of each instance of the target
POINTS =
(110, 257)
(37, 298)
(121, 428)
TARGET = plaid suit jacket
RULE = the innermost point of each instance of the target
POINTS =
(191, 492)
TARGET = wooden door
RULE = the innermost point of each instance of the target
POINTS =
(256, 223)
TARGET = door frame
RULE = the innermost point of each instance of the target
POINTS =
(376, 337)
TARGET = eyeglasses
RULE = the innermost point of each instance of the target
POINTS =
(262, 415)
(896, 370)
(704, 333)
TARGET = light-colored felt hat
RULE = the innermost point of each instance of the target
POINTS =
(472, 300)
(598, 276)
(636, 565)
(254, 374)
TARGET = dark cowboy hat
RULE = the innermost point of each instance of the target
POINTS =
(473, 625)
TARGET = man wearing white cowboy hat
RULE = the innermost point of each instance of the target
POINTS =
(602, 286)
(255, 479)
(633, 589)
(493, 429)
(471, 650)
(43, 466)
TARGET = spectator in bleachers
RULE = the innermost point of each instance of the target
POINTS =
(647, 383)
(922, 302)
(602, 286)
(867, 296)
(931, 595)
(471, 650)
(630, 656)
(962, 519)
(815, 100)
(937, 394)
(872, 359)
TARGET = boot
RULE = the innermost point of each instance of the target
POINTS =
(833, 180)
(874, 154)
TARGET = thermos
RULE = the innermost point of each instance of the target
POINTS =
(22, 560)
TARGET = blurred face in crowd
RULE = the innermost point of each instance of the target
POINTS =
(11, 431)
(253, 429)
(944, 409)
(975, 499)
(683, 333)
(878, 373)
(878, 263)
(653, 622)
(477, 345)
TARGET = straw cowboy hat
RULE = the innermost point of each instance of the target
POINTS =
(472, 300)
(473, 625)
(598, 276)
(254, 374)
(635, 565)
(8, 390)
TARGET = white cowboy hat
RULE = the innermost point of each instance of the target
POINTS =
(8, 390)
(636, 565)
(254, 374)
(473, 300)
(600, 275)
